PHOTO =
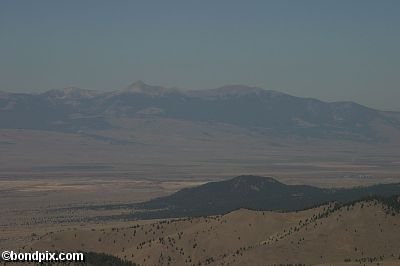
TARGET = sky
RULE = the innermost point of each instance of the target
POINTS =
(338, 50)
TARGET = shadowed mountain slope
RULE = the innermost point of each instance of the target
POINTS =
(253, 192)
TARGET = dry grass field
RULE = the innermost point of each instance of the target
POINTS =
(361, 234)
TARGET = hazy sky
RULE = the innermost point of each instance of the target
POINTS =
(332, 50)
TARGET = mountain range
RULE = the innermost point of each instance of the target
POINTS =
(269, 112)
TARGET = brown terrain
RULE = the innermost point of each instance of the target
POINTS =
(44, 173)
(365, 233)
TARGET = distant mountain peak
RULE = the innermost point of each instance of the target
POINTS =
(234, 90)
(239, 89)
(139, 83)
(4, 95)
(70, 93)
(143, 88)
(137, 86)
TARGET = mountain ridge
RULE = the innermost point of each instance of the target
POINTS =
(141, 87)
(271, 112)
(364, 232)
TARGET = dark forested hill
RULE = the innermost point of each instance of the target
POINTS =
(253, 192)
